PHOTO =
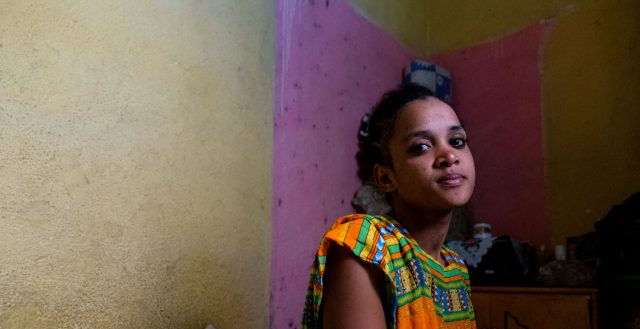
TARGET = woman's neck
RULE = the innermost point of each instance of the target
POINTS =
(428, 228)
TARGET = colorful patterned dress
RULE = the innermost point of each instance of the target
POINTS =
(421, 292)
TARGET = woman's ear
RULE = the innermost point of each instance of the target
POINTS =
(382, 176)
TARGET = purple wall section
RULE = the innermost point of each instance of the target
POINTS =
(496, 89)
(331, 67)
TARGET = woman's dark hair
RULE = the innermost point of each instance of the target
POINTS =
(373, 143)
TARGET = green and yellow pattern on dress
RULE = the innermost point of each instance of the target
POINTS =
(422, 293)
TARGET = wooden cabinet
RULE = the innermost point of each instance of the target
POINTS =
(534, 308)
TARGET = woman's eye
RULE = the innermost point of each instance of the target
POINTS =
(419, 148)
(458, 142)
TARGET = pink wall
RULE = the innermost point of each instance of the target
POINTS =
(496, 90)
(331, 67)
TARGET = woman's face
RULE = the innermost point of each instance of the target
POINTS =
(432, 166)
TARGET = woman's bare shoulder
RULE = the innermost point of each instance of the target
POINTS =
(353, 292)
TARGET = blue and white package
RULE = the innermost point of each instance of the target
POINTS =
(432, 76)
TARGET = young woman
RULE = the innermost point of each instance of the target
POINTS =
(393, 271)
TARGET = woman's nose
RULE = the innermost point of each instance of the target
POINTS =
(447, 158)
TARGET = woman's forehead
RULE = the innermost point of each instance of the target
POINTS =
(430, 113)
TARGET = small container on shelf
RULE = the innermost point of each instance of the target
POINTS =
(482, 231)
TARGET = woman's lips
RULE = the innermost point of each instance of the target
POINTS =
(451, 180)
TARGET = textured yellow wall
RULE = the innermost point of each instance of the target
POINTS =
(591, 97)
(404, 19)
(135, 163)
(435, 26)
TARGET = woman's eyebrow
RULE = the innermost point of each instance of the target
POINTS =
(428, 133)
(418, 134)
